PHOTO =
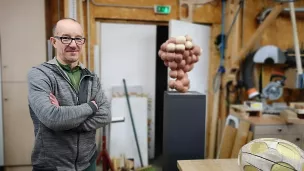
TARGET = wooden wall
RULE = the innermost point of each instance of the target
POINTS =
(279, 33)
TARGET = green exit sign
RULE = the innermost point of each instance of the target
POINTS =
(162, 9)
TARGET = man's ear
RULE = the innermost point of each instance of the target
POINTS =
(53, 41)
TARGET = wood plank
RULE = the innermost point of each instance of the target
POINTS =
(236, 33)
(215, 114)
(80, 17)
(241, 138)
(291, 117)
(250, 136)
(208, 165)
(219, 134)
(213, 66)
(239, 112)
(227, 142)
(66, 8)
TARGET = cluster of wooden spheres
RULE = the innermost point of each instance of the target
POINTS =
(180, 55)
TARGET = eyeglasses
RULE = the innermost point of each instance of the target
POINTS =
(68, 40)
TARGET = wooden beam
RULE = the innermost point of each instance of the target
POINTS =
(236, 33)
(249, 45)
(269, 19)
(81, 20)
(213, 66)
(66, 8)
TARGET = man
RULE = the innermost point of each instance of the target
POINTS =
(67, 105)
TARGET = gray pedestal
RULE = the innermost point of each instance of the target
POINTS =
(184, 128)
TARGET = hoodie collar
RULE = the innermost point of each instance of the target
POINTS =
(54, 61)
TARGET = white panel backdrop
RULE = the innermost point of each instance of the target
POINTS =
(201, 36)
(129, 51)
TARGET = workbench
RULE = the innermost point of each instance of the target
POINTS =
(284, 126)
(208, 165)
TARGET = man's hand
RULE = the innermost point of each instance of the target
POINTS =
(93, 101)
(55, 102)
(53, 99)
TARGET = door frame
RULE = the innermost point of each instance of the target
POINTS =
(1, 115)
(97, 54)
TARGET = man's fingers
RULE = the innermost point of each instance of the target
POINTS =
(52, 98)
(93, 101)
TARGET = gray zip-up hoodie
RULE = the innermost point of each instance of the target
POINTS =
(65, 135)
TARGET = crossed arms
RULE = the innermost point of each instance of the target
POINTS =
(84, 117)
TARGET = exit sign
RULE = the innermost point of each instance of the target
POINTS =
(162, 9)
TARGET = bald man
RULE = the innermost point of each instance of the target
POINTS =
(67, 104)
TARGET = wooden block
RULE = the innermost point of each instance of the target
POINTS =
(227, 142)
(291, 117)
(241, 138)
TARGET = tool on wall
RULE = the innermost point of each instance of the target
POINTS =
(274, 90)
(300, 76)
(264, 55)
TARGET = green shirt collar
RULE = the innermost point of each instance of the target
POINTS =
(67, 67)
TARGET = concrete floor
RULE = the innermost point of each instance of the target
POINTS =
(155, 163)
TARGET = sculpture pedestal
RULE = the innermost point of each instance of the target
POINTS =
(183, 127)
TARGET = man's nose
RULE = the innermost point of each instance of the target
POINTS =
(73, 43)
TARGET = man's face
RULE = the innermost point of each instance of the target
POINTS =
(68, 51)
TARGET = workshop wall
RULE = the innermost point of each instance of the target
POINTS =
(279, 33)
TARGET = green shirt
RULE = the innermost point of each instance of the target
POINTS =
(74, 74)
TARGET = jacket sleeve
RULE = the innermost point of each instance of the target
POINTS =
(56, 118)
(102, 117)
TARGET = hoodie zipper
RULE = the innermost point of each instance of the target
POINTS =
(77, 97)
(78, 134)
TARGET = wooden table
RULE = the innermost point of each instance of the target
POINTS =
(208, 165)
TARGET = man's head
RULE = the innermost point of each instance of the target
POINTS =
(67, 49)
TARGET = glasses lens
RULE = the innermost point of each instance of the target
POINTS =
(66, 40)
(79, 40)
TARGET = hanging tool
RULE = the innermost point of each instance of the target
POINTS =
(265, 54)
(274, 90)
(300, 76)
(216, 89)
(132, 120)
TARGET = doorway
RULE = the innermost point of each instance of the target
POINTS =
(161, 84)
